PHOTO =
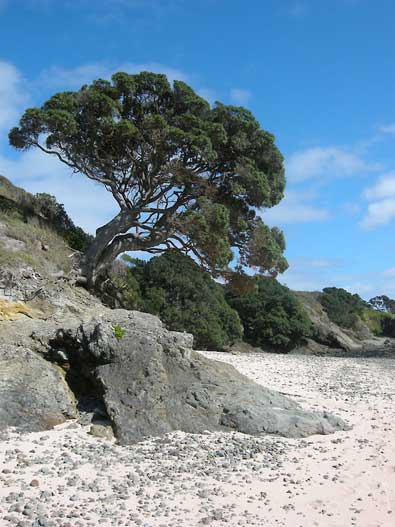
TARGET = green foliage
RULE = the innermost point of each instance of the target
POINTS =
(186, 298)
(119, 331)
(192, 176)
(382, 324)
(57, 217)
(342, 307)
(271, 315)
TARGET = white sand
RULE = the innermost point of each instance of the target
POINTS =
(339, 480)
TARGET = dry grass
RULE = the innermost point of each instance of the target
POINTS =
(57, 257)
(13, 310)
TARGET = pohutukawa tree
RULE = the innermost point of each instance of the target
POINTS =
(187, 177)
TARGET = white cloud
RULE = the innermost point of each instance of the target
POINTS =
(12, 94)
(88, 204)
(295, 208)
(323, 263)
(384, 188)
(305, 275)
(309, 274)
(379, 213)
(239, 96)
(381, 210)
(387, 128)
(58, 77)
(361, 288)
(389, 273)
(207, 94)
(319, 162)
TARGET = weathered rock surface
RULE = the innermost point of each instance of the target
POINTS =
(326, 332)
(153, 383)
(33, 393)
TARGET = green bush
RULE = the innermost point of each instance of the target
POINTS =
(342, 307)
(271, 315)
(185, 298)
(382, 324)
(57, 217)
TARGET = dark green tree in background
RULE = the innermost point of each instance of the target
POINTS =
(342, 307)
(187, 177)
(184, 296)
(272, 316)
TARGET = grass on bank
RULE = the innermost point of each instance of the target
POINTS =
(35, 237)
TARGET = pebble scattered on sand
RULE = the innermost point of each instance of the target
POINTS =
(69, 478)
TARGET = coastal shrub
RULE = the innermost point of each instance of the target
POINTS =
(272, 316)
(57, 217)
(380, 323)
(342, 307)
(185, 298)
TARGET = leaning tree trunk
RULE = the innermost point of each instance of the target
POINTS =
(98, 257)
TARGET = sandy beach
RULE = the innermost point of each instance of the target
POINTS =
(66, 477)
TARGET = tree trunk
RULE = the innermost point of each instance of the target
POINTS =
(96, 259)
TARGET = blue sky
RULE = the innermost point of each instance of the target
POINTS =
(318, 74)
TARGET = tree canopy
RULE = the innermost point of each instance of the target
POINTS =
(342, 307)
(187, 177)
(271, 315)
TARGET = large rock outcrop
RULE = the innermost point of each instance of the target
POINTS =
(152, 382)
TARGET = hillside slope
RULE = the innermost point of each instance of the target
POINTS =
(330, 337)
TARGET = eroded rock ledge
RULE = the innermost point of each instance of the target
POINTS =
(150, 381)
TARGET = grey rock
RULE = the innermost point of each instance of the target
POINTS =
(153, 383)
(33, 393)
(102, 431)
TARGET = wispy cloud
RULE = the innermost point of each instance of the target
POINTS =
(58, 77)
(307, 274)
(13, 95)
(379, 213)
(310, 274)
(296, 207)
(239, 96)
(381, 210)
(89, 204)
(387, 128)
(325, 162)
(383, 188)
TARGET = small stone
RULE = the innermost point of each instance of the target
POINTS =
(34, 483)
(102, 431)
